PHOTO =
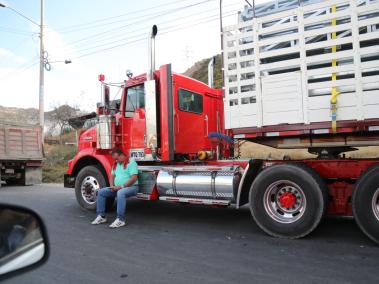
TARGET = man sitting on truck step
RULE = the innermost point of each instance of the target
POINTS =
(124, 184)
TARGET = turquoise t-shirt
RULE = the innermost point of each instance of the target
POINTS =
(122, 175)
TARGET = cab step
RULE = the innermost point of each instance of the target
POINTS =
(195, 200)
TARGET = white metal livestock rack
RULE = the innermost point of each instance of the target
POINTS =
(302, 62)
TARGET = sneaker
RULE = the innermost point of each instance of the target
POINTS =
(117, 223)
(99, 220)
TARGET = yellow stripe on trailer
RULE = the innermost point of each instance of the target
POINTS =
(333, 99)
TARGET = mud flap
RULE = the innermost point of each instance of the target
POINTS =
(33, 175)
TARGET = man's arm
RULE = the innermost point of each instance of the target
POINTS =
(111, 181)
(130, 182)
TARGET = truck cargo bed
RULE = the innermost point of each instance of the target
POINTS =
(281, 68)
(20, 142)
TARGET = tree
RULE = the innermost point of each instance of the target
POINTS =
(59, 118)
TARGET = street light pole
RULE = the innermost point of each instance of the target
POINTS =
(2, 5)
(41, 75)
(41, 64)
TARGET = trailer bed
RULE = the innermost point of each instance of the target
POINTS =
(282, 70)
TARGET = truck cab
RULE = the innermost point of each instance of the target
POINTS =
(158, 117)
(166, 120)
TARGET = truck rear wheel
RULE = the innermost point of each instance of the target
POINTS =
(366, 203)
(14, 182)
(288, 201)
(88, 182)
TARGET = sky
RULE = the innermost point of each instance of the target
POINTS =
(101, 37)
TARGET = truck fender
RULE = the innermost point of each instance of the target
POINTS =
(90, 158)
(251, 171)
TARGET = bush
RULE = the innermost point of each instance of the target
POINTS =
(55, 163)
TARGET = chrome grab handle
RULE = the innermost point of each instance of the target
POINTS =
(206, 125)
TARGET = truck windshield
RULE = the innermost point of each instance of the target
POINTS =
(135, 98)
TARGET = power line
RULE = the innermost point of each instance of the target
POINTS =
(142, 31)
(105, 49)
(17, 46)
(144, 38)
(186, 25)
(15, 31)
(142, 20)
(22, 15)
(119, 16)
(150, 15)
(143, 35)
(20, 70)
(141, 39)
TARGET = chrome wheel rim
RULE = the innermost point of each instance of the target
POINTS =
(375, 204)
(284, 201)
(89, 188)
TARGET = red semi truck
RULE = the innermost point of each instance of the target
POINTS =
(184, 134)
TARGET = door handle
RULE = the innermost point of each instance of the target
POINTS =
(176, 123)
(206, 125)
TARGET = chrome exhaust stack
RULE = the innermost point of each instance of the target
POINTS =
(150, 73)
(210, 71)
(151, 140)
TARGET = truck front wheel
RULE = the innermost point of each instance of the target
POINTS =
(366, 203)
(87, 184)
(288, 200)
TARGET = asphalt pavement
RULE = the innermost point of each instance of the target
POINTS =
(176, 243)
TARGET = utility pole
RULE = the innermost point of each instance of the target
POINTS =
(222, 45)
(43, 62)
(41, 75)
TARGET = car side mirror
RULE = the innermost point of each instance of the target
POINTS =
(23, 240)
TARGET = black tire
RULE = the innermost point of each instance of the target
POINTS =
(17, 182)
(364, 194)
(310, 197)
(14, 182)
(98, 182)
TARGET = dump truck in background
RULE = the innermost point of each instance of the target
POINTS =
(21, 154)
(296, 76)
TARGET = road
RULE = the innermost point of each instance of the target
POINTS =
(175, 243)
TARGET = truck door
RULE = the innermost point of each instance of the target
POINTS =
(189, 121)
(133, 122)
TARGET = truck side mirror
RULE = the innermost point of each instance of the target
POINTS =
(23, 241)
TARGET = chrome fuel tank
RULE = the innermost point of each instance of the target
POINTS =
(105, 132)
(204, 182)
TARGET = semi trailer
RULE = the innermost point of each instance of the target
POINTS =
(21, 154)
(297, 74)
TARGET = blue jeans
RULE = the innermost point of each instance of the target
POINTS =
(121, 195)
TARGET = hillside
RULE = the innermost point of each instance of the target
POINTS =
(199, 71)
(29, 115)
(19, 115)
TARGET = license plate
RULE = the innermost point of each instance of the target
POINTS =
(137, 154)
